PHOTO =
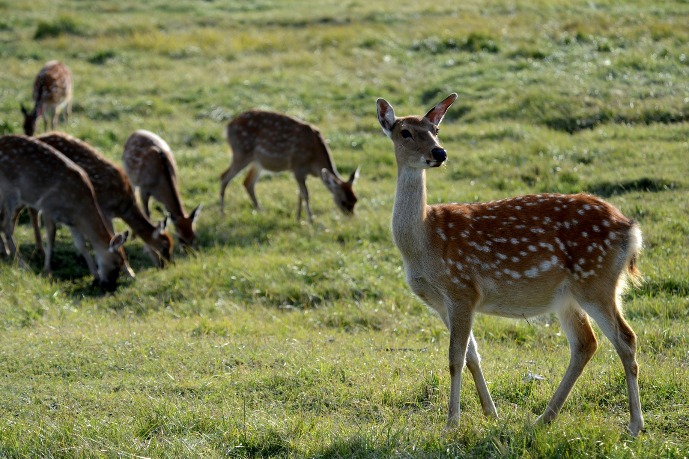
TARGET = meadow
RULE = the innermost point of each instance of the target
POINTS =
(279, 338)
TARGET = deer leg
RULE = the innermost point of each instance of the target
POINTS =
(50, 230)
(623, 338)
(81, 246)
(250, 182)
(460, 331)
(35, 224)
(303, 196)
(237, 165)
(582, 346)
(473, 362)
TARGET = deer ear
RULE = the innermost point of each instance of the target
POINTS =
(386, 116)
(118, 241)
(354, 177)
(195, 213)
(436, 114)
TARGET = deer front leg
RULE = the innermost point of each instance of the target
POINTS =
(303, 196)
(460, 331)
(50, 230)
(81, 246)
(473, 361)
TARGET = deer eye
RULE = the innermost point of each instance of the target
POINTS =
(406, 134)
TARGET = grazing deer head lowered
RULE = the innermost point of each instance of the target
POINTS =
(34, 174)
(114, 194)
(516, 257)
(276, 143)
(151, 167)
(52, 92)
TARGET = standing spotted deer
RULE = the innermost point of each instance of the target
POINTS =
(52, 92)
(517, 257)
(151, 167)
(276, 142)
(114, 194)
(34, 174)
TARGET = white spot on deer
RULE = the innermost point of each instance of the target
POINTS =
(584, 234)
(612, 236)
(441, 233)
(606, 223)
(545, 266)
(501, 256)
(537, 230)
(514, 241)
(515, 259)
(532, 248)
(596, 229)
(532, 272)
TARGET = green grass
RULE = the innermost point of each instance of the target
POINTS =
(284, 339)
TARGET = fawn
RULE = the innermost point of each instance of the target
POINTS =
(114, 194)
(34, 174)
(517, 257)
(151, 167)
(52, 92)
(276, 143)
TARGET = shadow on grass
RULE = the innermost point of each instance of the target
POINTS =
(645, 184)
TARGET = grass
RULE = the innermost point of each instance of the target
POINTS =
(284, 339)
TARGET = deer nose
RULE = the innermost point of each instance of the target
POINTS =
(439, 154)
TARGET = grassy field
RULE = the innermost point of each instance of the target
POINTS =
(284, 339)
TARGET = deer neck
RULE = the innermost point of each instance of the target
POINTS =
(409, 212)
(138, 222)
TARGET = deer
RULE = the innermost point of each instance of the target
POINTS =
(265, 140)
(151, 167)
(518, 257)
(52, 92)
(35, 175)
(114, 194)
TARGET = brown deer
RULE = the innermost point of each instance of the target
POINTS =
(34, 174)
(114, 194)
(151, 167)
(277, 142)
(52, 92)
(517, 257)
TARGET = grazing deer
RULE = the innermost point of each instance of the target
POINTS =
(52, 92)
(114, 194)
(517, 257)
(151, 167)
(276, 142)
(36, 175)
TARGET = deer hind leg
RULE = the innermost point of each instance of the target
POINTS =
(617, 330)
(250, 182)
(239, 162)
(582, 346)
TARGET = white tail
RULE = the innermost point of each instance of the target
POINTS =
(276, 143)
(114, 194)
(52, 92)
(516, 257)
(151, 167)
(36, 175)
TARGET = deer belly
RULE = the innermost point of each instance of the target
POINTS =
(527, 303)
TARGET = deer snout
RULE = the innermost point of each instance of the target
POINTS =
(439, 154)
